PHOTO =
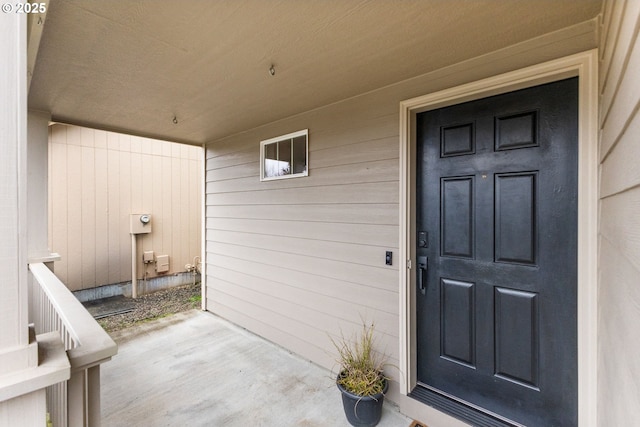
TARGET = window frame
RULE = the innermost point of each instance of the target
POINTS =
(283, 138)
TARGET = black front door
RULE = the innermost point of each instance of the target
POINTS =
(497, 257)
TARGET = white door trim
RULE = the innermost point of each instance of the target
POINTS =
(585, 66)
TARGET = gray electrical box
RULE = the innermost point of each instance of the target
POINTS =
(140, 223)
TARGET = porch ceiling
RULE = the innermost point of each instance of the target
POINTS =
(131, 66)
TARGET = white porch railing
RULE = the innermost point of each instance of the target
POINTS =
(52, 307)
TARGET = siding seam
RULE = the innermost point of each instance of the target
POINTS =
(291, 237)
(301, 187)
(306, 220)
(617, 193)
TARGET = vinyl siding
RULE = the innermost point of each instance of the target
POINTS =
(96, 180)
(294, 256)
(301, 260)
(619, 259)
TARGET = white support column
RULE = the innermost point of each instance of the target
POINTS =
(14, 335)
(24, 370)
(37, 187)
(18, 349)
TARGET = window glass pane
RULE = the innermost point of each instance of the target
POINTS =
(300, 154)
(284, 157)
(271, 151)
(271, 160)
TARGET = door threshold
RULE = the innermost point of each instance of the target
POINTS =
(458, 409)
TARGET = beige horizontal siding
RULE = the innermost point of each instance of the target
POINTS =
(621, 168)
(619, 258)
(367, 255)
(365, 234)
(618, 368)
(368, 162)
(618, 36)
(288, 323)
(97, 179)
(308, 314)
(354, 295)
(612, 12)
(364, 193)
(622, 109)
(621, 223)
(345, 171)
(348, 127)
(225, 305)
(348, 272)
(349, 213)
(306, 256)
(298, 260)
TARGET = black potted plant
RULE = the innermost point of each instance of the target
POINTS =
(360, 379)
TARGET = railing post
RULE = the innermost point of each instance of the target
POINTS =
(93, 398)
(76, 402)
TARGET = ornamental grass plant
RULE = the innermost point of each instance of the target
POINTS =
(360, 365)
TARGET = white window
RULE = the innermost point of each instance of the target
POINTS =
(285, 156)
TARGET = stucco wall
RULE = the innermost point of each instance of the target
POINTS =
(619, 265)
(96, 179)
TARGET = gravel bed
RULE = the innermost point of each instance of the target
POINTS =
(156, 305)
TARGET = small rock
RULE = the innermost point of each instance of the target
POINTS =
(158, 304)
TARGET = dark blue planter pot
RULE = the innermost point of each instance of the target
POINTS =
(363, 411)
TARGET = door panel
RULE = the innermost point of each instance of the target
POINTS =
(456, 217)
(458, 321)
(515, 197)
(496, 297)
(516, 336)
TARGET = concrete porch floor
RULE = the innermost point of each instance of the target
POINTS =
(195, 369)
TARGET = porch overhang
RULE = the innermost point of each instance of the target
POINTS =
(190, 73)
